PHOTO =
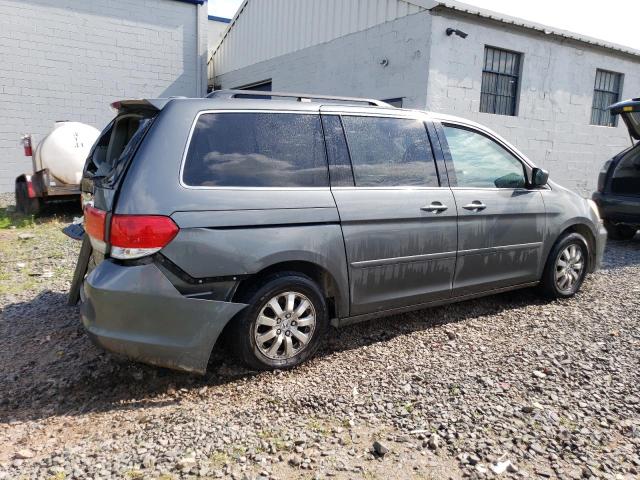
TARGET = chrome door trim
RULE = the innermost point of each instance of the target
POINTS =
(409, 259)
(500, 248)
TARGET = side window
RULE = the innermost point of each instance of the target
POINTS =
(480, 162)
(388, 152)
(256, 150)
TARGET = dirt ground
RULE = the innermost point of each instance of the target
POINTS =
(509, 386)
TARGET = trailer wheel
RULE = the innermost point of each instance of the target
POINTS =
(24, 204)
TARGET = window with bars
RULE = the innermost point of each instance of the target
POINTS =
(605, 92)
(500, 78)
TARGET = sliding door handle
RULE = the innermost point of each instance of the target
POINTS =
(435, 207)
(475, 206)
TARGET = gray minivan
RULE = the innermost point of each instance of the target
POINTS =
(270, 217)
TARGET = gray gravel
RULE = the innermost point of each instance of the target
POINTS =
(508, 386)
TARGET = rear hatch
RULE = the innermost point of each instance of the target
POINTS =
(114, 150)
(119, 236)
(629, 110)
(107, 164)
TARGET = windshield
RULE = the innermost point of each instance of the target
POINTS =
(116, 145)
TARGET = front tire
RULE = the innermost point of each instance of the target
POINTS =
(620, 232)
(284, 323)
(566, 266)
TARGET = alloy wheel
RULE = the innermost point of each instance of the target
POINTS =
(285, 325)
(569, 267)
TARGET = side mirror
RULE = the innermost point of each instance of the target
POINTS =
(539, 177)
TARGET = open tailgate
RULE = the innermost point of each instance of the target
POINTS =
(629, 110)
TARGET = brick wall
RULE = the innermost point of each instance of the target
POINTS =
(69, 59)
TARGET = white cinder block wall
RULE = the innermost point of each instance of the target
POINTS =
(215, 29)
(352, 65)
(69, 59)
(556, 92)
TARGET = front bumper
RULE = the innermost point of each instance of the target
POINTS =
(601, 242)
(135, 311)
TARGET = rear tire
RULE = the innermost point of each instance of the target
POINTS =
(619, 232)
(282, 337)
(566, 267)
(24, 204)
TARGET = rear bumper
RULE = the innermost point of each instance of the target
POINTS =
(618, 208)
(135, 311)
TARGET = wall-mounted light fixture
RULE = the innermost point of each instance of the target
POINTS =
(460, 33)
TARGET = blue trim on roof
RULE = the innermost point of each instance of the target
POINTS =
(219, 19)
(193, 2)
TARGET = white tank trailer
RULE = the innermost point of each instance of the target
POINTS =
(58, 162)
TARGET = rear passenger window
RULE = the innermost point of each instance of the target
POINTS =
(256, 150)
(389, 152)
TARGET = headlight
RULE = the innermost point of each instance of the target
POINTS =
(594, 208)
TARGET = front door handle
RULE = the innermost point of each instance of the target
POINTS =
(435, 207)
(475, 206)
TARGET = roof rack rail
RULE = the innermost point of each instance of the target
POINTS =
(300, 97)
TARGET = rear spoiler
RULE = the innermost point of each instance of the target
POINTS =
(156, 104)
(632, 105)
(628, 110)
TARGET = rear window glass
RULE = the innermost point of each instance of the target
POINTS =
(116, 145)
(256, 150)
(387, 152)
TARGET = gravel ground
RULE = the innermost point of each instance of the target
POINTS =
(508, 386)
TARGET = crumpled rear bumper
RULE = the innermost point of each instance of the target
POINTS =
(135, 311)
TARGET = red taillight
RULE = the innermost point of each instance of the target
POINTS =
(130, 236)
(134, 236)
(94, 222)
(31, 192)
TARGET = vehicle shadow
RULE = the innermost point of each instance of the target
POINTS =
(51, 369)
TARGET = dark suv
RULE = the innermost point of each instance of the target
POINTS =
(270, 218)
(618, 195)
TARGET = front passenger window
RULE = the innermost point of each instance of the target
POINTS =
(480, 162)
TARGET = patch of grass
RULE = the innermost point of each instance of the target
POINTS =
(134, 475)
(238, 450)
(58, 476)
(318, 427)
(219, 459)
(10, 218)
(280, 444)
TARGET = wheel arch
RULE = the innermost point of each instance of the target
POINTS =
(326, 281)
